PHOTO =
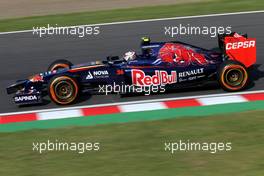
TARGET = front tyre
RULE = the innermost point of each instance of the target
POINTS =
(233, 76)
(63, 90)
(59, 64)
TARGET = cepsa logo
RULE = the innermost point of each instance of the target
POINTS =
(241, 49)
(159, 78)
(237, 45)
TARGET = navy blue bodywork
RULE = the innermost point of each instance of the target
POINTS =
(194, 65)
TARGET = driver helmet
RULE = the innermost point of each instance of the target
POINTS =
(130, 55)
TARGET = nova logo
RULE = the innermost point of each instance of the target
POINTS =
(100, 73)
(237, 45)
(159, 78)
(89, 76)
(26, 98)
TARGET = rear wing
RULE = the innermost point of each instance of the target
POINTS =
(238, 47)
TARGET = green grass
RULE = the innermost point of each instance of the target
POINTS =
(217, 6)
(138, 148)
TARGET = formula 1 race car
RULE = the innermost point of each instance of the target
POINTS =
(166, 65)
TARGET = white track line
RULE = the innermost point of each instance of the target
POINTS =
(221, 100)
(142, 107)
(148, 20)
(133, 102)
(59, 114)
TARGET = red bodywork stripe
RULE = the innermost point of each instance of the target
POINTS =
(135, 67)
(84, 68)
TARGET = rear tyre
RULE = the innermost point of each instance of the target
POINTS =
(233, 76)
(63, 90)
(59, 64)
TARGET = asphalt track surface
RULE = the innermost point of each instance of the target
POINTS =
(24, 54)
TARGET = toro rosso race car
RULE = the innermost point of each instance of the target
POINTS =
(163, 64)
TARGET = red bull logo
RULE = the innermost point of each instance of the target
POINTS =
(139, 78)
